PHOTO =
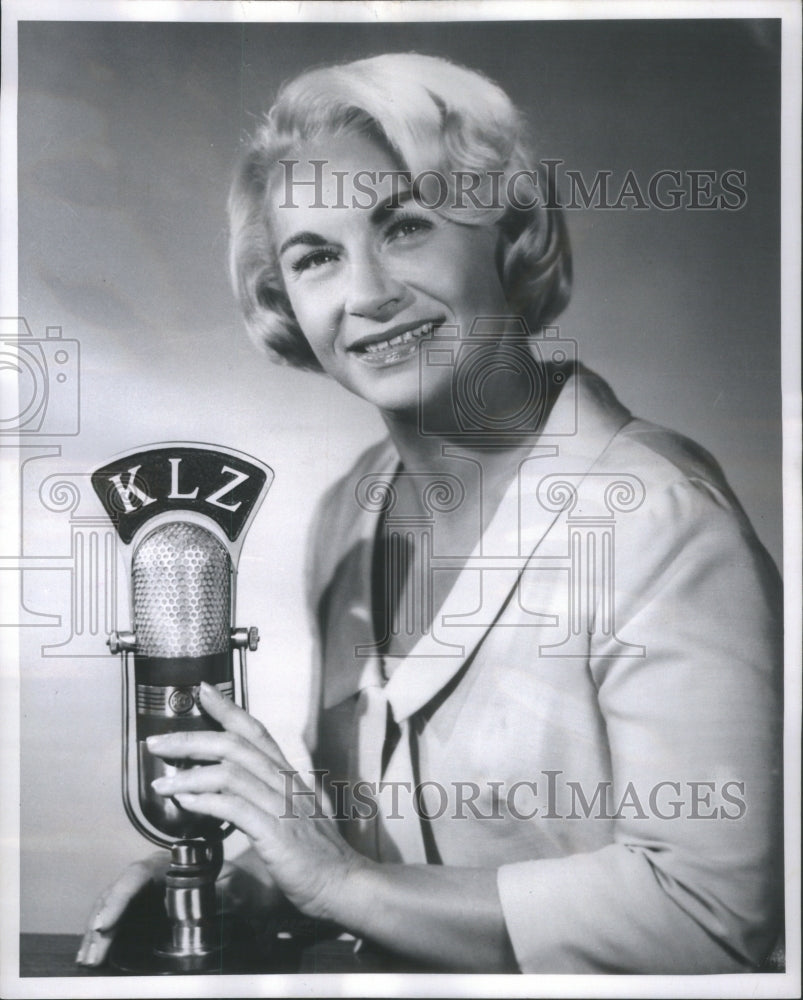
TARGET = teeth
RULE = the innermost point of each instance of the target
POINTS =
(399, 339)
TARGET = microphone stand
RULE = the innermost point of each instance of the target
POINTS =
(181, 511)
(189, 901)
(186, 934)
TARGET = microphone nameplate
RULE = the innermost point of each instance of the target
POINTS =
(170, 701)
(221, 484)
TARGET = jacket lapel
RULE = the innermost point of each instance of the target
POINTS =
(351, 623)
(569, 445)
(585, 418)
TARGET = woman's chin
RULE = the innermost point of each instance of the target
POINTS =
(392, 384)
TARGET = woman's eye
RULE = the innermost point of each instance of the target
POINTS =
(407, 226)
(316, 258)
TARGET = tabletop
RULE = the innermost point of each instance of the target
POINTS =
(48, 955)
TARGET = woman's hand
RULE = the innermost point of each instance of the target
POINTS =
(444, 916)
(242, 887)
(112, 904)
(246, 780)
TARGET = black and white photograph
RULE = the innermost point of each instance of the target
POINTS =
(401, 547)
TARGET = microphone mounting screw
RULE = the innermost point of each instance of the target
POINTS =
(121, 642)
(245, 638)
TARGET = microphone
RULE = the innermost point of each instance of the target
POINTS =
(181, 511)
(181, 581)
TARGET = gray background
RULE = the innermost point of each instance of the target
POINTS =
(127, 137)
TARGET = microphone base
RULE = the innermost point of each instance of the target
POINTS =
(177, 931)
(147, 954)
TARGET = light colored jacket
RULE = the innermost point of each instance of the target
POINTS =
(595, 708)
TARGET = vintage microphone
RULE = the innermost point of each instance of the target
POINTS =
(181, 511)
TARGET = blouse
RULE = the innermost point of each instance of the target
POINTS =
(594, 710)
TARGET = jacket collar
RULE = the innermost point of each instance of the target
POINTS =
(584, 419)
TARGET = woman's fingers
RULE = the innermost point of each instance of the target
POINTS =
(219, 778)
(213, 751)
(112, 904)
(290, 800)
(303, 856)
(245, 787)
(308, 860)
(254, 822)
(94, 948)
(235, 720)
(246, 889)
(243, 741)
(247, 781)
(113, 901)
(203, 745)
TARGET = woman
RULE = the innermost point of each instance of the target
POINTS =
(546, 726)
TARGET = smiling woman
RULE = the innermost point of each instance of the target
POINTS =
(366, 284)
(547, 637)
(430, 124)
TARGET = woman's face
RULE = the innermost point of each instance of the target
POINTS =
(366, 283)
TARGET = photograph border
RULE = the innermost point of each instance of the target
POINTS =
(368, 984)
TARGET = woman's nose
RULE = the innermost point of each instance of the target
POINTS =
(372, 292)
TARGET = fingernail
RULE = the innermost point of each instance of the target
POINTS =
(210, 689)
(154, 741)
(92, 957)
(161, 785)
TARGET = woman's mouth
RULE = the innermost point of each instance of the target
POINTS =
(393, 349)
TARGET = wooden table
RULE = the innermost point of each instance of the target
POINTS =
(54, 955)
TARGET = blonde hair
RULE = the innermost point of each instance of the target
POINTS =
(430, 114)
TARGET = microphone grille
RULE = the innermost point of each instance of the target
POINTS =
(182, 593)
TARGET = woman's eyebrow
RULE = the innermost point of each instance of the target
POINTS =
(307, 238)
(392, 203)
